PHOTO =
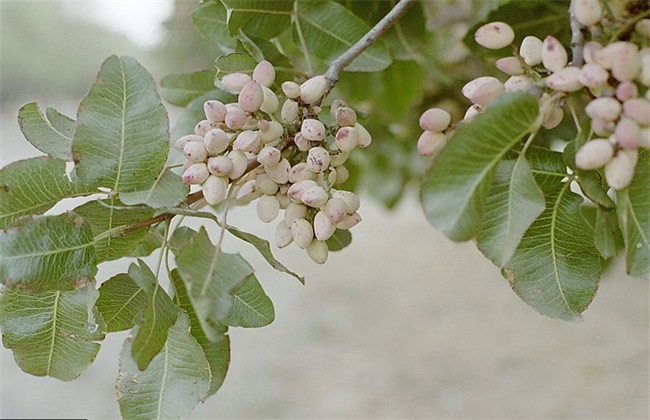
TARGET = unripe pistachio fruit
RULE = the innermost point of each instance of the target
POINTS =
(283, 235)
(312, 129)
(300, 172)
(351, 200)
(336, 209)
(216, 141)
(364, 136)
(247, 193)
(264, 73)
(607, 109)
(430, 143)
(289, 112)
(291, 89)
(323, 226)
(279, 172)
(349, 221)
(268, 208)
(620, 170)
(518, 84)
(510, 66)
(345, 117)
(246, 141)
(347, 138)
(270, 104)
(220, 165)
(318, 251)
(638, 109)
(251, 97)
(204, 126)
(214, 110)
(594, 154)
(435, 119)
(531, 50)
(554, 56)
(627, 90)
(197, 173)
(565, 80)
(239, 163)
(313, 89)
(269, 156)
(315, 196)
(265, 184)
(592, 75)
(318, 159)
(195, 151)
(215, 189)
(234, 82)
(587, 12)
(494, 35)
(181, 142)
(627, 133)
(625, 63)
(272, 132)
(294, 211)
(235, 118)
(302, 232)
(483, 90)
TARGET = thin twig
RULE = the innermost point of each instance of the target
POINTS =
(577, 37)
(336, 67)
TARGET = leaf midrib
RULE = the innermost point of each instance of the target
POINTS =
(552, 240)
(123, 122)
(53, 340)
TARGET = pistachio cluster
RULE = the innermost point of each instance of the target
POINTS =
(291, 161)
(615, 78)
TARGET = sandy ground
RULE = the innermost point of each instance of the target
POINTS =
(402, 324)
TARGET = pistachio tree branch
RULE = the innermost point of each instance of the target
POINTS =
(336, 67)
(577, 37)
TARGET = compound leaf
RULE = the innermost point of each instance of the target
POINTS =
(33, 186)
(158, 316)
(103, 218)
(172, 384)
(181, 89)
(120, 301)
(456, 188)
(41, 253)
(51, 135)
(262, 18)
(252, 308)
(330, 29)
(49, 332)
(167, 191)
(122, 135)
(633, 205)
(216, 348)
(556, 267)
(210, 19)
(513, 204)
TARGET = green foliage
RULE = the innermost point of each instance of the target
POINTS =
(51, 135)
(172, 384)
(122, 136)
(52, 333)
(120, 301)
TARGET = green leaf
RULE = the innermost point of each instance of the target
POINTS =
(41, 253)
(210, 20)
(339, 240)
(49, 333)
(217, 349)
(120, 301)
(633, 205)
(548, 168)
(151, 242)
(159, 315)
(33, 186)
(608, 235)
(167, 191)
(211, 276)
(235, 63)
(401, 85)
(103, 218)
(408, 34)
(330, 29)
(556, 267)
(51, 135)
(252, 308)
(262, 18)
(122, 135)
(264, 248)
(513, 204)
(173, 383)
(455, 190)
(181, 89)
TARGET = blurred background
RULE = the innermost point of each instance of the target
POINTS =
(402, 324)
